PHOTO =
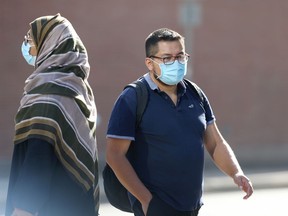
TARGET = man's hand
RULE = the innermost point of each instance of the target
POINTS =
(244, 184)
(145, 209)
(145, 206)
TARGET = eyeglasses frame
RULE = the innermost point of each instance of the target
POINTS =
(174, 58)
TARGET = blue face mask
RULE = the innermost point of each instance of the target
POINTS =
(172, 74)
(25, 52)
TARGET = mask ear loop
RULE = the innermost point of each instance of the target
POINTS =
(156, 76)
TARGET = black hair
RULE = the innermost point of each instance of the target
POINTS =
(163, 34)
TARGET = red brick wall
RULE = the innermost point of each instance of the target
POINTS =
(239, 59)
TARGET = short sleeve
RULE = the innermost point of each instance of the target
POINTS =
(123, 117)
(209, 114)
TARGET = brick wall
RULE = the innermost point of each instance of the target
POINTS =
(238, 58)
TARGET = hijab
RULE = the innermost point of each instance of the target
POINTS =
(58, 104)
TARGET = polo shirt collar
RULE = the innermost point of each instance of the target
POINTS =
(153, 85)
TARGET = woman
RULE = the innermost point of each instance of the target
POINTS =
(55, 164)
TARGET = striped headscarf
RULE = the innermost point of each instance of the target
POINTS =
(58, 104)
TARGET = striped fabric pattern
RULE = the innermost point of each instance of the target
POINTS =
(58, 103)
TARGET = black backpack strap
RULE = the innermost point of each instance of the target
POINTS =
(195, 88)
(142, 98)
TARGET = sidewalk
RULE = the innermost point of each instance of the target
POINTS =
(214, 181)
(262, 180)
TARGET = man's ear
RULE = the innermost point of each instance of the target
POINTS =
(149, 64)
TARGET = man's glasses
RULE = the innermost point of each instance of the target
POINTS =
(168, 60)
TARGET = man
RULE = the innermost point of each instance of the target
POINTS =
(163, 170)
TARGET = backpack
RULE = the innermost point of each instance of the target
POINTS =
(115, 192)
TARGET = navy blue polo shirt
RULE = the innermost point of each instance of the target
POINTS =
(168, 152)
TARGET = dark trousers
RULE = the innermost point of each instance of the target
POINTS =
(159, 208)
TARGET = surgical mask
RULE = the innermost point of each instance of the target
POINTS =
(172, 74)
(25, 52)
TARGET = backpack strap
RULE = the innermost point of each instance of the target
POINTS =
(195, 88)
(142, 98)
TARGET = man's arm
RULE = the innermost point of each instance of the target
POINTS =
(225, 159)
(116, 158)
